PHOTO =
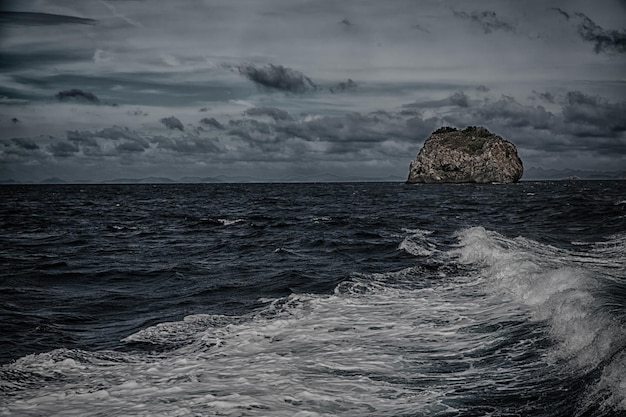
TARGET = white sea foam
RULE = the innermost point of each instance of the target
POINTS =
(321, 219)
(230, 222)
(179, 332)
(286, 251)
(560, 288)
(388, 350)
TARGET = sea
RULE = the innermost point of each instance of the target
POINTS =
(327, 299)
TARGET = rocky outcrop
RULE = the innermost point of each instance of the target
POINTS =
(471, 155)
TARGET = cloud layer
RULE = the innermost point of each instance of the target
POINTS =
(276, 87)
(581, 123)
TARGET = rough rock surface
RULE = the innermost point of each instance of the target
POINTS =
(471, 155)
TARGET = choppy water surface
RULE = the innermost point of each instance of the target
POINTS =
(313, 300)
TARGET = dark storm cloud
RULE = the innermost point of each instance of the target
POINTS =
(353, 127)
(63, 149)
(98, 143)
(487, 20)
(130, 147)
(187, 145)
(111, 133)
(212, 122)
(603, 40)
(278, 77)
(252, 130)
(273, 112)
(508, 111)
(25, 143)
(349, 128)
(41, 19)
(172, 123)
(19, 149)
(594, 115)
(113, 142)
(77, 95)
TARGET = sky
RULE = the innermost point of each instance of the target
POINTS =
(280, 89)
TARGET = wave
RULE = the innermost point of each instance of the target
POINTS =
(566, 290)
(493, 325)
(417, 242)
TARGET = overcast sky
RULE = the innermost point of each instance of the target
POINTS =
(94, 90)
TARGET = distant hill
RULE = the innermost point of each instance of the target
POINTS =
(198, 180)
(327, 177)
(147, 180)
(53, 180)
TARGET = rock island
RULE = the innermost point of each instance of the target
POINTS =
(473, 155)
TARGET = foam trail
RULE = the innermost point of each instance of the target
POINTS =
(377, 347)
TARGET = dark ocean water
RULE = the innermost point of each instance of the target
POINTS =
(313, 300)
